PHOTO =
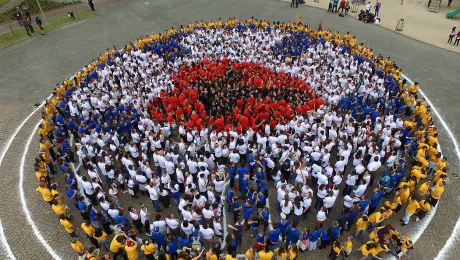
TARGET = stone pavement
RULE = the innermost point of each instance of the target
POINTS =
(420, 24)
(37, 64)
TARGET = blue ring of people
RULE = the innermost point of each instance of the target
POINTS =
(274, 140)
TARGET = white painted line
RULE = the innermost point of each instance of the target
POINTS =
(449, 243)
(5, 243)
(2, 156)
(23, 199)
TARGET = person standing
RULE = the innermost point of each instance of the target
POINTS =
(457, 40)
(329, 8)
(38, 21)
(25, 10)
(18, 15)
(335, 6)
(91, 4)
(377, 6)
(452, 35)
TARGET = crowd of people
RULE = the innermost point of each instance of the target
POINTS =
(211, 117)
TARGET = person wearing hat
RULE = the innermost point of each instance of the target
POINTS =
(148, 248)
(160, 238)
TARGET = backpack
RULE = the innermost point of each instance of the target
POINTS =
(287, 164)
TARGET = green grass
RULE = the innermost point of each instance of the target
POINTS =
(2, 2)
(33, 8)
(20, 34)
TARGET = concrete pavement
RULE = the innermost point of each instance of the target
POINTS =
(31, 68)
(420, 24)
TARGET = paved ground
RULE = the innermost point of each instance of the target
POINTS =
(37, 64)
(420, 24)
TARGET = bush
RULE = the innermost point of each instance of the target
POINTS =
(33, 8)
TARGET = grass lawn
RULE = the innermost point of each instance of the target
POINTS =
(20, 34)
(2, 2)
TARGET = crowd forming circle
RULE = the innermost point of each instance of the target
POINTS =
(249, 104)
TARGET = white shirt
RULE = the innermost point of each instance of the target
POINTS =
(207, 233)
(286, 209)
(360, 190)
(153, 193)
(321, 216)
(329, 201)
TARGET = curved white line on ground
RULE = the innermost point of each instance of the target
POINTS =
(5, 244)
(454, 233)
(23, 199)
(2, 156)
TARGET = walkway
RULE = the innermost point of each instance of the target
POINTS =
(420, 24)
(40, 62)
(9, 5)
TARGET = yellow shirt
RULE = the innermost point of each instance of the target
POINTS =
(361, 224)
(249, 254)
(229, 257)
(438, 174)
(149, 249)
(102, 237)
(115, 245)
(46, 194)
(291, 254)
(417, 174)
(404, 243)
(348, 246)
(58, 209)
(282, 256)
(425, 205)
(423, 189)
(375, 217)
(89, 230)
(437, 192)
(412, 206)
(78, 247)
(67, 225)
(265, 256)
(131, 251)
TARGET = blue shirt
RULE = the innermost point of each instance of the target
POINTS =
(159, 238)
(260, 239)
(247, 211)
(282, 226)
(274, 235)
(172, 246)
(183, 242)
(120, 219)
(292, 235)
(362, 205)
(315, 235)
(82, 206)
(375, 199)
(325, 234)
